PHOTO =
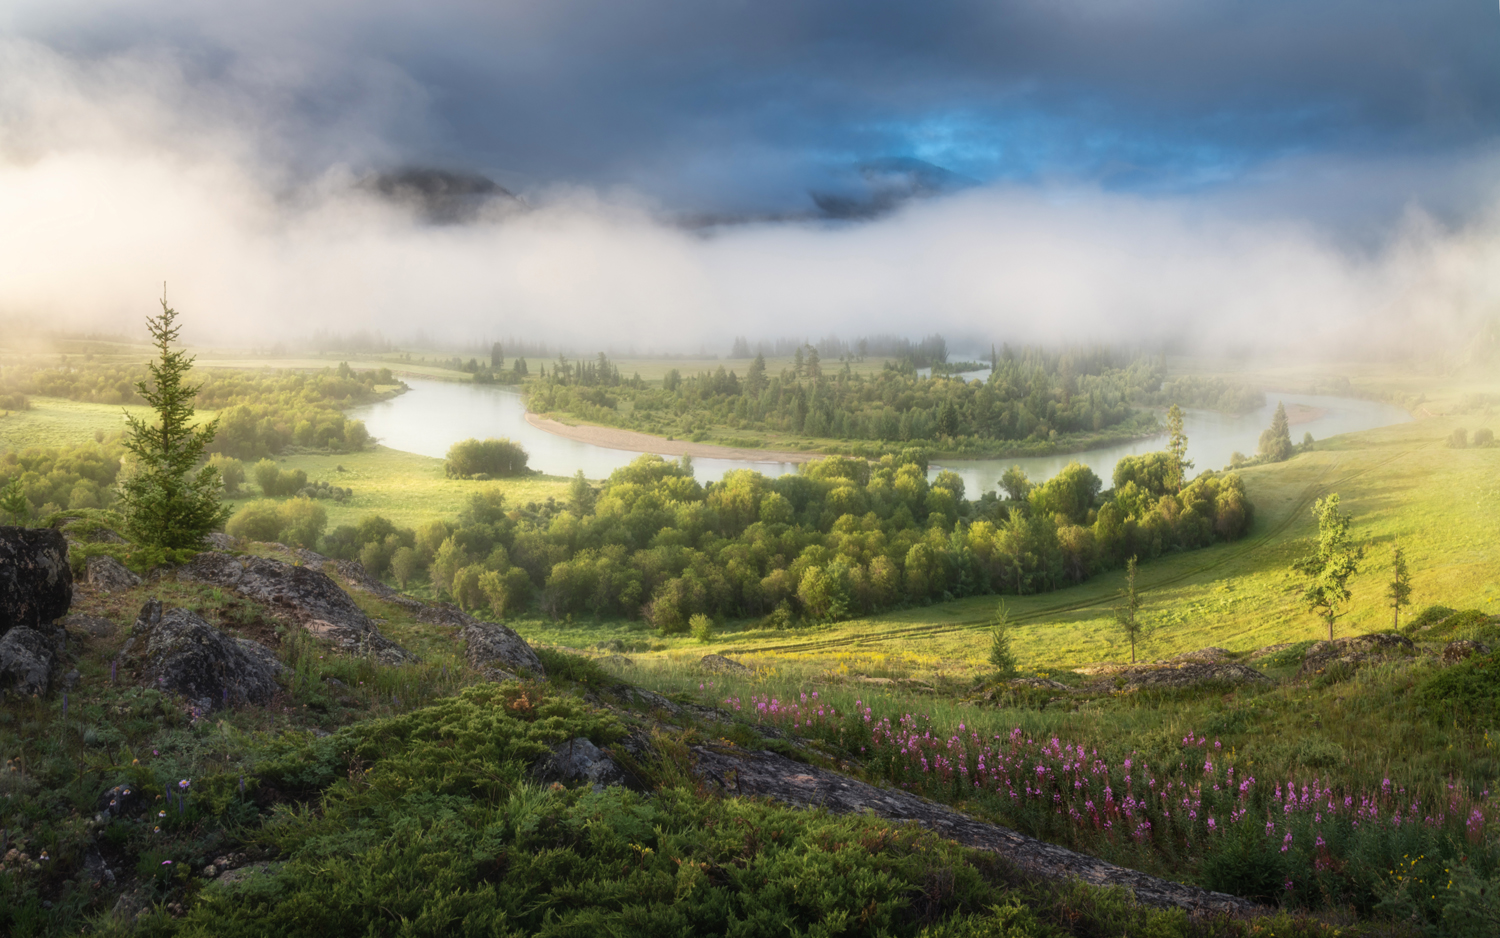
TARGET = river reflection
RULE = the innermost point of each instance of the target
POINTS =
(434, 415)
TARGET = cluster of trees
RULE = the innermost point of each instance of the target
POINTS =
(843, 537)
(260, 413)
(54, 478)
(1030, 396)
(1459, 439)
(926, 353)
(1204, 393)
(485, 459)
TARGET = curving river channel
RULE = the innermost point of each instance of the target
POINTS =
(434, 415)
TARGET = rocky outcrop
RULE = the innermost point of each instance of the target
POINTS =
(718, 664)
(26, 658)
(579, 761)
(304, 595)
(1458, 650)
(36, 583)
(95, 626)
(1206, 667)
(181, 653)
(768, 775)
(108, 574)
(1351, 653)
(498, 651)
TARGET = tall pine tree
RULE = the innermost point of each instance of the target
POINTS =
(1276, 442)
(169, 500)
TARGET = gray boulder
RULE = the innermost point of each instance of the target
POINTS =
(36, 583)
(1354, 652)
(26, 658)
(302, 594)
(93, 625)
(579, 761)
(718, 664)
(108, 574)
(183, 654)
(498, 651)
(1458, 650)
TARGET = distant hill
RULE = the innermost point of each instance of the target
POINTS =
(441, 196)
(879, 186)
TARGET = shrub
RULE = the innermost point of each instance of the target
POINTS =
(507, 591)
(702, 628)
(1484, 437)
(231, 472)
(492, 458)
(1469, 690)
(257, 521)
(465, 588)
(1458, 439)
(404, 565)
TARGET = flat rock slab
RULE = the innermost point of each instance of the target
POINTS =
(26, 658)
(36, 583)
(183, 654)
(96, 626)
(1354, 651)
(306, 596)
(768, 775)
(108, 574)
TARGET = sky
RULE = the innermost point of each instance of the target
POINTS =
(1254, 175)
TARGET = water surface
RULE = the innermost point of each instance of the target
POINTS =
(434, 415)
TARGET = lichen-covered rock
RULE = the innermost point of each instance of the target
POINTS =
(106, 573)
(1193, 675)
(495, 647)
(26, 657)
(1354, 652)
(1457, 651)
(579, 761)
(218, 540)
(718, 664)
(183, 654)
(96, 626)
(36, 583)
(1210, 655)
(304, 595)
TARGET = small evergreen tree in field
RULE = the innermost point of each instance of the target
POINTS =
(1399, 590)
(1127, 612)
(170, 501)
(1276, 442)
(14, 506)
(1002, 656)
(1177, 447)
(702, 628)
(1332, 565)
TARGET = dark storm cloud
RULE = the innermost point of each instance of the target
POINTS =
(723, 104)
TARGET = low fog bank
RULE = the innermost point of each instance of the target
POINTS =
(116, 177)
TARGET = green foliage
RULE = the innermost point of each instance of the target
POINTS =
(1177, 447)
(297, 521)
(1276, 441)
(1032, 397)
(1002, 657)
(166, 501)
(1468, 691)
(564, 667)
(65, 477)
(231, 472)
(1458, 439)
(1330, 567)
(1127, 612)
(1484, 437)
(13, 504)
(485, 459)
(702, 628)
(1398, 591)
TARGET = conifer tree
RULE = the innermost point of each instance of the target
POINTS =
(170, 500)
(1002, 656)
(1126, 613)
(1276, 442)
(1399, 590)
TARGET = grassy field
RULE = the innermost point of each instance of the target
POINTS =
(405, 488)
(1401, 484)
(55, 422)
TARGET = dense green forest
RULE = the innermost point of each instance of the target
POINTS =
(1033, 401)
(261, 413)
(844, 537)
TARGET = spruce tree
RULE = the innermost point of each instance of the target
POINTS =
(1399, 590)
(1126, 613)
(1002, 656)
(1276, 442)
(169, 500)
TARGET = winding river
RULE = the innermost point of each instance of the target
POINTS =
(434, 415)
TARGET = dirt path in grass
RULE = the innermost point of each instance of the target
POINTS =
(615, 438)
